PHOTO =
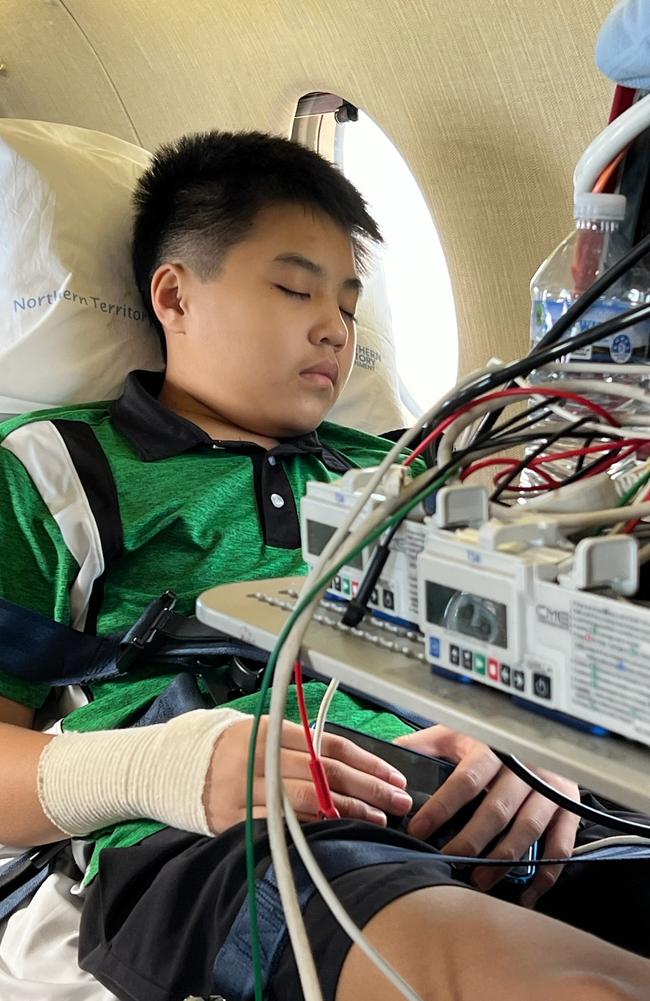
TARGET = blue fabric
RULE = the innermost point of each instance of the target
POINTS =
(37, 649)
(22, 892)
(623, 46)
(233, 970)
(233, 974)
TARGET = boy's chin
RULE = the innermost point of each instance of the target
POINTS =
(304, 423)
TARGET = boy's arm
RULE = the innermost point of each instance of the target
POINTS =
(22, 821)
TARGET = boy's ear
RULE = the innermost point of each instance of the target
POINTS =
(167, 287)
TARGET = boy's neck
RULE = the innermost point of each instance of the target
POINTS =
(183, 404)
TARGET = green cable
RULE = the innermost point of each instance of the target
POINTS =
(627, 496)
(266, 684)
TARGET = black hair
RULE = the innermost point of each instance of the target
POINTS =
(202, 193)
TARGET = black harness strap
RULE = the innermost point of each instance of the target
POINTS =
(96, 476)
(36, 649)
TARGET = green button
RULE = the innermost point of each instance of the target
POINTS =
(479, 663)
(347, 590)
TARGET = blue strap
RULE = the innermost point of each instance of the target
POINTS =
(39, 650)
(12, 902)
(232, 973)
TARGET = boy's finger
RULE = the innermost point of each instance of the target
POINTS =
(367, 787)
(439, 741)
(303, 798)
(343, 779)
(504, 799)
(340, 748)
(468, 779)
(559, 841)
(532, 820)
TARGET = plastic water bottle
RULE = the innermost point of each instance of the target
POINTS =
(592, 248)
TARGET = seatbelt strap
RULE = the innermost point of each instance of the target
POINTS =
(20, 878)
(37, 649)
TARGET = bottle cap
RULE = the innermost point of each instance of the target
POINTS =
(590, 205)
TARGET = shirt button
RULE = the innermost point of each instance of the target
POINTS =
(277, 501)
(271, 460)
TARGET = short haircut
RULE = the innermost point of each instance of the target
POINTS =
(202, 193)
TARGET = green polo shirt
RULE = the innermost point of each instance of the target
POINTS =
(104, 506)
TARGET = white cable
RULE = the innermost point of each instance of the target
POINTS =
(619, 839)
(324, 708)
(606, 146)
(337, 909)
(450, 438)
(596, 367)
(606, 429)
(574, 519)
(284, 669)
(586, 386)
(282, 680)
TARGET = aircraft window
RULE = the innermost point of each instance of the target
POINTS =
(418, 286)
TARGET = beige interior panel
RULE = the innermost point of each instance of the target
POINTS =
(490, 101)
(51, 72)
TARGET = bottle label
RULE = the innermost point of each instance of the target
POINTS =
(630, 345)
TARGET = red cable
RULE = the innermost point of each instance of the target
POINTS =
(504, 394)
(631, 444)
(326, 806)
(605, 446)
(484, 463)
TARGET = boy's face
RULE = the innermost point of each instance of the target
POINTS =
(267, 345)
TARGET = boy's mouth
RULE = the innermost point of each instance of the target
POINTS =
(326, 373)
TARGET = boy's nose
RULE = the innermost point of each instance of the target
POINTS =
(330, 329)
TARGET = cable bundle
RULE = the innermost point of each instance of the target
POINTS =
(462, 433)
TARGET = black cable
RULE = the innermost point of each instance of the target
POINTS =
(594, 292)
(581, 458)
(513, 423)
(491, 379)
(568, 804)
(357, 607)
(580, 306)
(588, 470)
(525, 463)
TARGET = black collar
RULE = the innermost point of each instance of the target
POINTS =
(155, 432)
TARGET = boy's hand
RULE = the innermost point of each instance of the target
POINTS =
(363, 786)
(477, 769)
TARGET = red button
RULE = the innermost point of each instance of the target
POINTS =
(493, 669)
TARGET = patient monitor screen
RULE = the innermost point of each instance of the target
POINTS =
(467, 614)
(318, 535)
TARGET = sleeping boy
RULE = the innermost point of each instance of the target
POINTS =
(249, 252)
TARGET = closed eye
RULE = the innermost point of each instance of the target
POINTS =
(306, 295)
(289, 291)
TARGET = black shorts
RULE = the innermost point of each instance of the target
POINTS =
(158, 914)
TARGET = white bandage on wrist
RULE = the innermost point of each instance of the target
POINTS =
(91, 780)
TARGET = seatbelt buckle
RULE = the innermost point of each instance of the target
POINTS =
(143, 633)
(245, 677)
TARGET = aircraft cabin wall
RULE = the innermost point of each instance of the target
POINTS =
(491, 102)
